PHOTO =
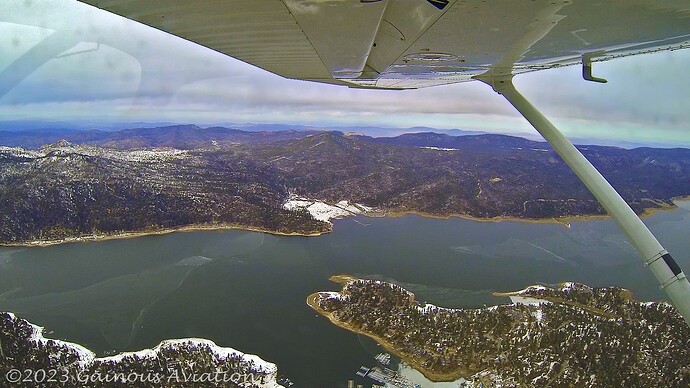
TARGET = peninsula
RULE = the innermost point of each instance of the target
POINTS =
(566, 335)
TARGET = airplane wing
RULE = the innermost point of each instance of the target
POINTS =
(401, 44)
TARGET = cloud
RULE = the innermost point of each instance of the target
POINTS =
(109, 67)
(646, 89)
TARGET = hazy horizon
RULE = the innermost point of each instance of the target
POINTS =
(368, 130)
(72, 62)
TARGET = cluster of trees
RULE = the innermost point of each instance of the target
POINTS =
(49, 363)
(609, 301)
(532, 345)
(78, 195)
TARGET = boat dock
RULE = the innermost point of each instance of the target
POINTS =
(387, 377)
(383, 358)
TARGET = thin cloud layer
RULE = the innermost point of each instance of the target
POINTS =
(108, 68)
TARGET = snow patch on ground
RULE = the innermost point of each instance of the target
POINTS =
(221, 352)
(87, 357)
(19, 152)
(323, 211)
(64, 149)
(439, 149)
(567, 286)
(527, 300)
(333, 295)
(538, 314)
(537, 288)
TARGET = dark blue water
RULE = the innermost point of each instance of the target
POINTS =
(247, 290)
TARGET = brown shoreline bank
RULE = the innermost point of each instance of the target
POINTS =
(564, 220)
(135, 234)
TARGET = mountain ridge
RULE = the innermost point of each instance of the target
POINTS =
(191, 136)
(118, 185)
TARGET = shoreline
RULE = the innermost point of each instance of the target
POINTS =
(626, 294)
(408, 359)
(160, 232)
(564, 221)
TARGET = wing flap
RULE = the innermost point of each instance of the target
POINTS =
(262, 33)
(342, 32)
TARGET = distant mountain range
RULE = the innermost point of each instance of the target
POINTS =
(190, 136)
(100, 183)
(40, 129)
(178, 136)
(36, 133)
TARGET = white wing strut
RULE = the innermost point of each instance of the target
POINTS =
(659, 261)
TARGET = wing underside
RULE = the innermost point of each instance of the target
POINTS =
(399, 44)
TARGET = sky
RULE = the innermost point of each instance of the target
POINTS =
(62, 60)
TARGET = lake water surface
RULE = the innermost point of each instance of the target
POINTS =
(247, 290)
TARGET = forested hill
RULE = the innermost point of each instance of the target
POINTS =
(145, 180)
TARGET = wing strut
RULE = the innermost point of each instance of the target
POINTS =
(659, 261)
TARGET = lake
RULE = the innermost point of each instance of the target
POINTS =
(247, 290)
